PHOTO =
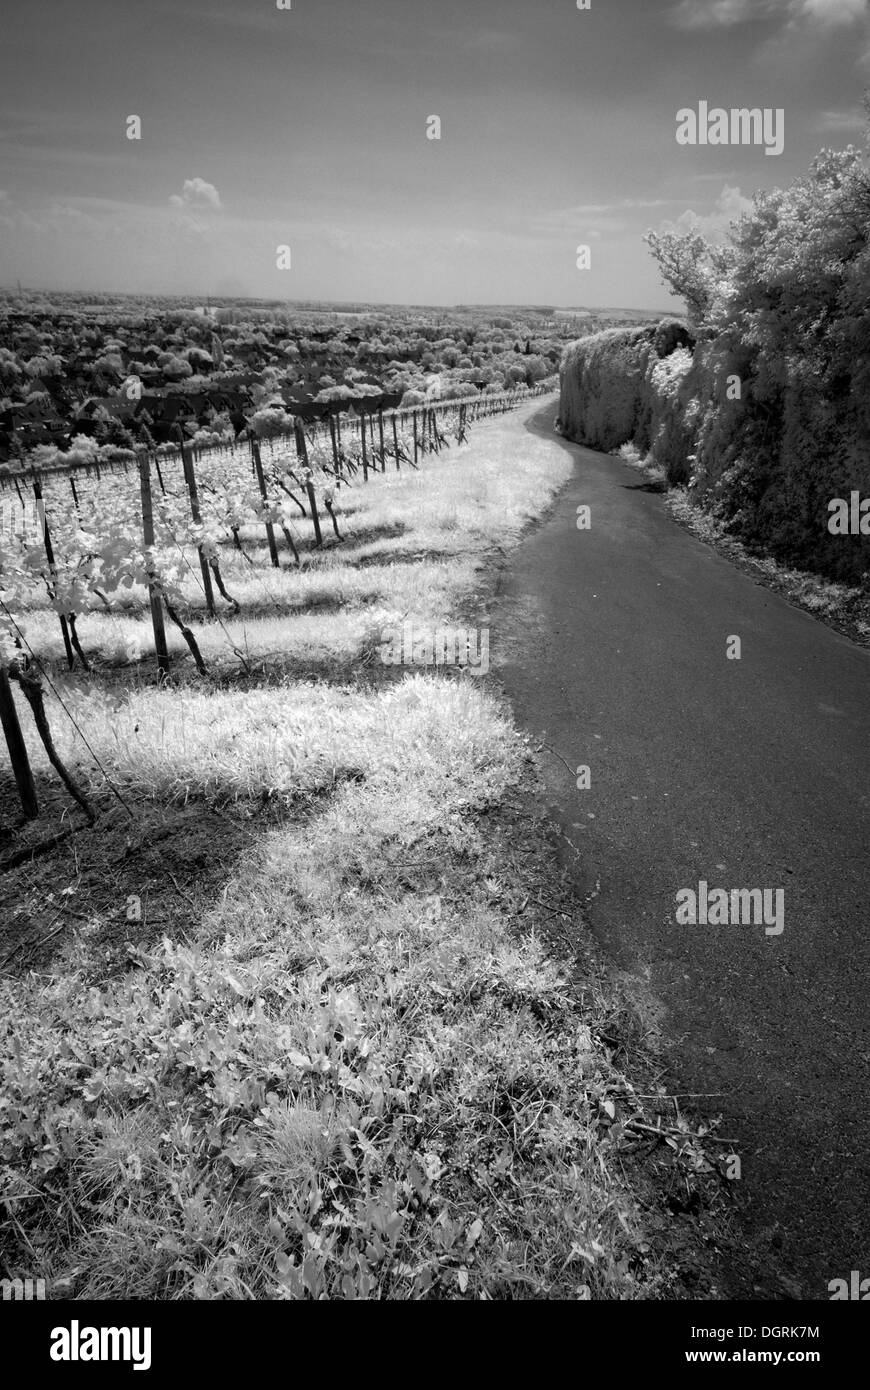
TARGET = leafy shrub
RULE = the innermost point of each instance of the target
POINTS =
(781, 308)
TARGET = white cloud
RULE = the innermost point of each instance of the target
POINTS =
(585, 220)
(584, 208)
(712, 14)
(197, 193)
(64, 209)
(714, 225)
(724, 14)
(831, 11)
(841, 120)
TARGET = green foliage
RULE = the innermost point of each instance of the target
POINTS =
(783, 308)
(690, 266)
(602, 399)
(276, 1129)
(271, 420)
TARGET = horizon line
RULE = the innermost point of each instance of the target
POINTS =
(374, 303)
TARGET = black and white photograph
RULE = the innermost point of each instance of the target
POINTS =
(434, 670)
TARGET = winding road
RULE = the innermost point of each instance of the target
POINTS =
(750, 773)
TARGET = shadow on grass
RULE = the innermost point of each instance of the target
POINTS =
(124, 881)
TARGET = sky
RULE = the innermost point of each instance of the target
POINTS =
(306, 127)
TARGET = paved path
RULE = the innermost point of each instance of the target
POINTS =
(611, 644)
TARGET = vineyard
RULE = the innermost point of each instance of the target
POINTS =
(280, 1019)
(266, 1017)
(172, 555)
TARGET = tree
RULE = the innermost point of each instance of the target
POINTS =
(175, 368)
(271, 420)
(781, 309)
(688, 264)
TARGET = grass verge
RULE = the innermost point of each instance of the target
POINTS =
(842, 606)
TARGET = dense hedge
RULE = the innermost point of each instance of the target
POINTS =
(784, 309)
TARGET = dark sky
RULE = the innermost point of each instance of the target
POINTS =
(307, 127)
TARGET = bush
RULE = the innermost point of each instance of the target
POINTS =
(271, 421)
(780, 314)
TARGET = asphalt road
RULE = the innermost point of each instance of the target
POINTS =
(750, 773)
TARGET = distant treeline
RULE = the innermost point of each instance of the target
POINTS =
(134, 374)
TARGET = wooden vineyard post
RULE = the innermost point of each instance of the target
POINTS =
(302, 455)
(49, 555)
(381, 436)
(153, 591)
(312, 502)
(414, 421)
(270, 530)
(372, 439)
(190, 479)
(301, 446)
(396, 442)
(335, 456)
(362, 435)
(17, 748)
